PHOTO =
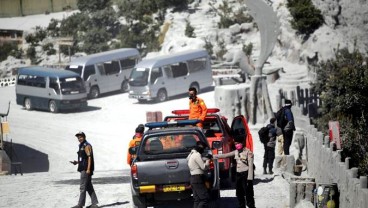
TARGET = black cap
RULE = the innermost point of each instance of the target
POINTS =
(139, 129)
(81, 133)
(288, 102)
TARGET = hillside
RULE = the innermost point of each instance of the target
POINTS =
(344, 23)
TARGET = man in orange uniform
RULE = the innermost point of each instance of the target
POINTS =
(197, 107)
(135, 142)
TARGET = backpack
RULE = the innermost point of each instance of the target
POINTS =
(280, 118)
(263, 135)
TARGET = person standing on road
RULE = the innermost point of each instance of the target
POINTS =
(135, 142)
(85, 167)
(197, 167)
(269, 147)
(288, 126)
(244, 173)
(197, 107)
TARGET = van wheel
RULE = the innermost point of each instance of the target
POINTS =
(196, 86)
(94, 92)
(161, 95)
(53, 107)
(28, 104)
(124, 86)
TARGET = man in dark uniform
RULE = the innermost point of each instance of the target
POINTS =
(85, 167)
(289, 128)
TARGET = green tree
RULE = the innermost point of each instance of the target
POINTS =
(92, 5)
(6, 49)
(189, 30)
(343, 87)
(306, 17)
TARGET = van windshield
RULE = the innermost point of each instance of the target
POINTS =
(75, 68)
(71, 85)
(139, 77)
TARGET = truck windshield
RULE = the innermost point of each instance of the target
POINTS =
(75, 68)
(139, 77)
(71, 85)
(163, 144)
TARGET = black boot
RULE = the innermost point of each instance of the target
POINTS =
(264, 171)
(270, 171)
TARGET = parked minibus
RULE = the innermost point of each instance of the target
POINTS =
(106, 71)
(165, 76)
(50, 89)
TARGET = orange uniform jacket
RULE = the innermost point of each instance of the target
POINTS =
(197, 110)
(133, 143)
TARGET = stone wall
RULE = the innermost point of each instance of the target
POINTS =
(326, 166)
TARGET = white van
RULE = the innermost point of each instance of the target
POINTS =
(50, 89)
(106, 71)
(164, 76)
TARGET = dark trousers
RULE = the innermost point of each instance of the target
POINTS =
(200, 193)
(244, 190)
(269, 157)
(288, 137)
(86, 186)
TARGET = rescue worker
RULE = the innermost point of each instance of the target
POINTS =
(244, 173)
(135, 142)
(197, 107)
(197, 167)
(85, 167)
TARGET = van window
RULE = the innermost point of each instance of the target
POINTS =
(34, 81)
(197, 64)
(112, 67)
(54, 85)
(22, 79)
(155, 73)
(139, 77)
(75, 68)
(101, 68)
(168, 71)
(88, 71)
(128, 63)
(179, 69)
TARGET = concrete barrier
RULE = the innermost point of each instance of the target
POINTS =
(8, 81)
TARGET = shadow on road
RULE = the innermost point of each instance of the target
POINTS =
(114, 204)
(102, 180)
(32, 160)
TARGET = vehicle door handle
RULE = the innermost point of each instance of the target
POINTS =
(117, 75)
(49, 94)
(95, 80)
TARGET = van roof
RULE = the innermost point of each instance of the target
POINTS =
(105, 56)
(46, 72)
(172, 58)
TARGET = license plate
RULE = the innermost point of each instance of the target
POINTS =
(172, 188)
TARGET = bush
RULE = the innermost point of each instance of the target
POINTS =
(31, 54)
(343, 87)
(306, 17)
(247, 49)
(189, 30)
(228, 17)
(6, 49)
(209, 47)
(49, 49)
